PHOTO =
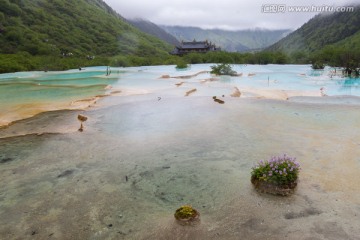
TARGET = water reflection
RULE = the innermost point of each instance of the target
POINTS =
(316, 73)
(351, 86)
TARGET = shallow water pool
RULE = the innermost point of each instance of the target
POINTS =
(141, 157)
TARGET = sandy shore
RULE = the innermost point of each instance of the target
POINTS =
(24, 111)
(27, 110)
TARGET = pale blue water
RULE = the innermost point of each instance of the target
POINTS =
(49, 88)
(42, 86)
(27, 93)
(289, 77)
(281, 77)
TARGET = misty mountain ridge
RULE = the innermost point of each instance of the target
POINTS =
(229, 40)
(153, 29)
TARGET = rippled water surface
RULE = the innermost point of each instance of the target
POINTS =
(150, 150)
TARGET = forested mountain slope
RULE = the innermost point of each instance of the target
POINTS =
(322, 30)
(78, 28)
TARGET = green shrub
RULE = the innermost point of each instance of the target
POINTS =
(280, 170)
(223, 69)
(181, 65)
(317, 66)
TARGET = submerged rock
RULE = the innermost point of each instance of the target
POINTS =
(179, 84)
(6, 159)
(273, 188)
(236, 93)
(190, 92)
(218, 100)
(65, 173)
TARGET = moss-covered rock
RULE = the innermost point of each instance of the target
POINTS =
(187, 215)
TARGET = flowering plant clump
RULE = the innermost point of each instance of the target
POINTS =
(281, 170)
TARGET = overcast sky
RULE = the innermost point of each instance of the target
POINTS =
(224, 14)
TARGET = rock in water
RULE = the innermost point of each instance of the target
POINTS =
(190, 92)
(218, 100)
(82, 118)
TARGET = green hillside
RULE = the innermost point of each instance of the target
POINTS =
(70, 32)
(344, 53)
(321, 31)
(327, 39)
(352, 42)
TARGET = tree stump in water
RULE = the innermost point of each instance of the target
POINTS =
(82, 119)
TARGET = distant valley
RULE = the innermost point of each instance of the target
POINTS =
(154, 30)
(231, 41)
